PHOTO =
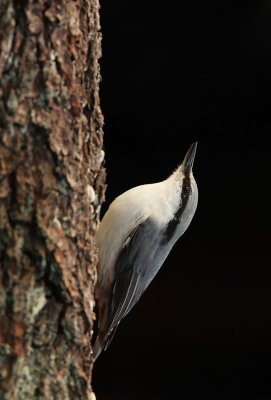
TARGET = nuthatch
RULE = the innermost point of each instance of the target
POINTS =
(134, 238)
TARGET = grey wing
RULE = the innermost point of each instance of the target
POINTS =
(136, 265)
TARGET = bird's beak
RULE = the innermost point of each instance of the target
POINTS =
(188, 161)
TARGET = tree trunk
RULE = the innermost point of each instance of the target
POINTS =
(51, 188)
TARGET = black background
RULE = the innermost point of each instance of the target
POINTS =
(175, 72)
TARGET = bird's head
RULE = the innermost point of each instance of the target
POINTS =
(183, 192)
(183, 176)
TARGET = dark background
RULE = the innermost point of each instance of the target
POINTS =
(175, 72)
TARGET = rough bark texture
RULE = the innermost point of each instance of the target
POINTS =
(51, 188)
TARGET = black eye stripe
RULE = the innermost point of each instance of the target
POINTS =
(172, 225)
(186, 187)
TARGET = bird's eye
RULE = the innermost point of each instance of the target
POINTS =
(186, 189)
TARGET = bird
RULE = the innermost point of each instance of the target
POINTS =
(134, 238)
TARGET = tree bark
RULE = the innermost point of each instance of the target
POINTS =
(51, 189)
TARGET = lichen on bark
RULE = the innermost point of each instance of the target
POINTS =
(51, 189)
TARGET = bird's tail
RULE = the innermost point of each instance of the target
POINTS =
(97, 348)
